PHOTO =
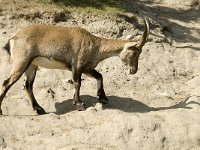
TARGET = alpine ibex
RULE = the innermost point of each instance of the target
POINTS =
(70, 48)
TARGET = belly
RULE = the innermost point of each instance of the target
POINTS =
(48, 63)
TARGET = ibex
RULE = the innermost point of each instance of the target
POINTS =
(70, 48)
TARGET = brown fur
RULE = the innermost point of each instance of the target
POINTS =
(70, 48)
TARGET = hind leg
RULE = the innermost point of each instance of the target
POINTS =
(18, 69)
(30, 77)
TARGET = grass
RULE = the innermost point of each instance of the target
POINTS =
(90, 5)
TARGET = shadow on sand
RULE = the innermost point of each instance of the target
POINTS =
(120, 103)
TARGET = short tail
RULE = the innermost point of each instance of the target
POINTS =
(7, 47)
(144, 37)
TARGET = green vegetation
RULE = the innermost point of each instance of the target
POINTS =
(90, 5)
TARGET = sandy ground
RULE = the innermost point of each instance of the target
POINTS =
(157, 108)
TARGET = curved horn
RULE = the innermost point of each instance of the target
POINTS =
(144, 36)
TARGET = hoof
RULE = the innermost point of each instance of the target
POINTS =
(103, 100)
(80, 106)
(40, 111)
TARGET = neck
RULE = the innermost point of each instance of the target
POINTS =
(110, 47)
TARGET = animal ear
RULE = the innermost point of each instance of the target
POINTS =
(136, 38)
(134, 48)
(133, 38)
(131, 47)
(129, 37)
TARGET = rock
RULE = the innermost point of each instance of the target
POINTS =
(59, 17)
(99, 106)
(193, 102)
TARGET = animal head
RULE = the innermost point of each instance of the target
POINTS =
(129, 56)
(132, 50)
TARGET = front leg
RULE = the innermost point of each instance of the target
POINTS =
(77, 84)
(100, 90)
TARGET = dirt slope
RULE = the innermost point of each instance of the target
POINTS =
(157, 108)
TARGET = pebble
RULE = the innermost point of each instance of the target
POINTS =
(97, 107)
